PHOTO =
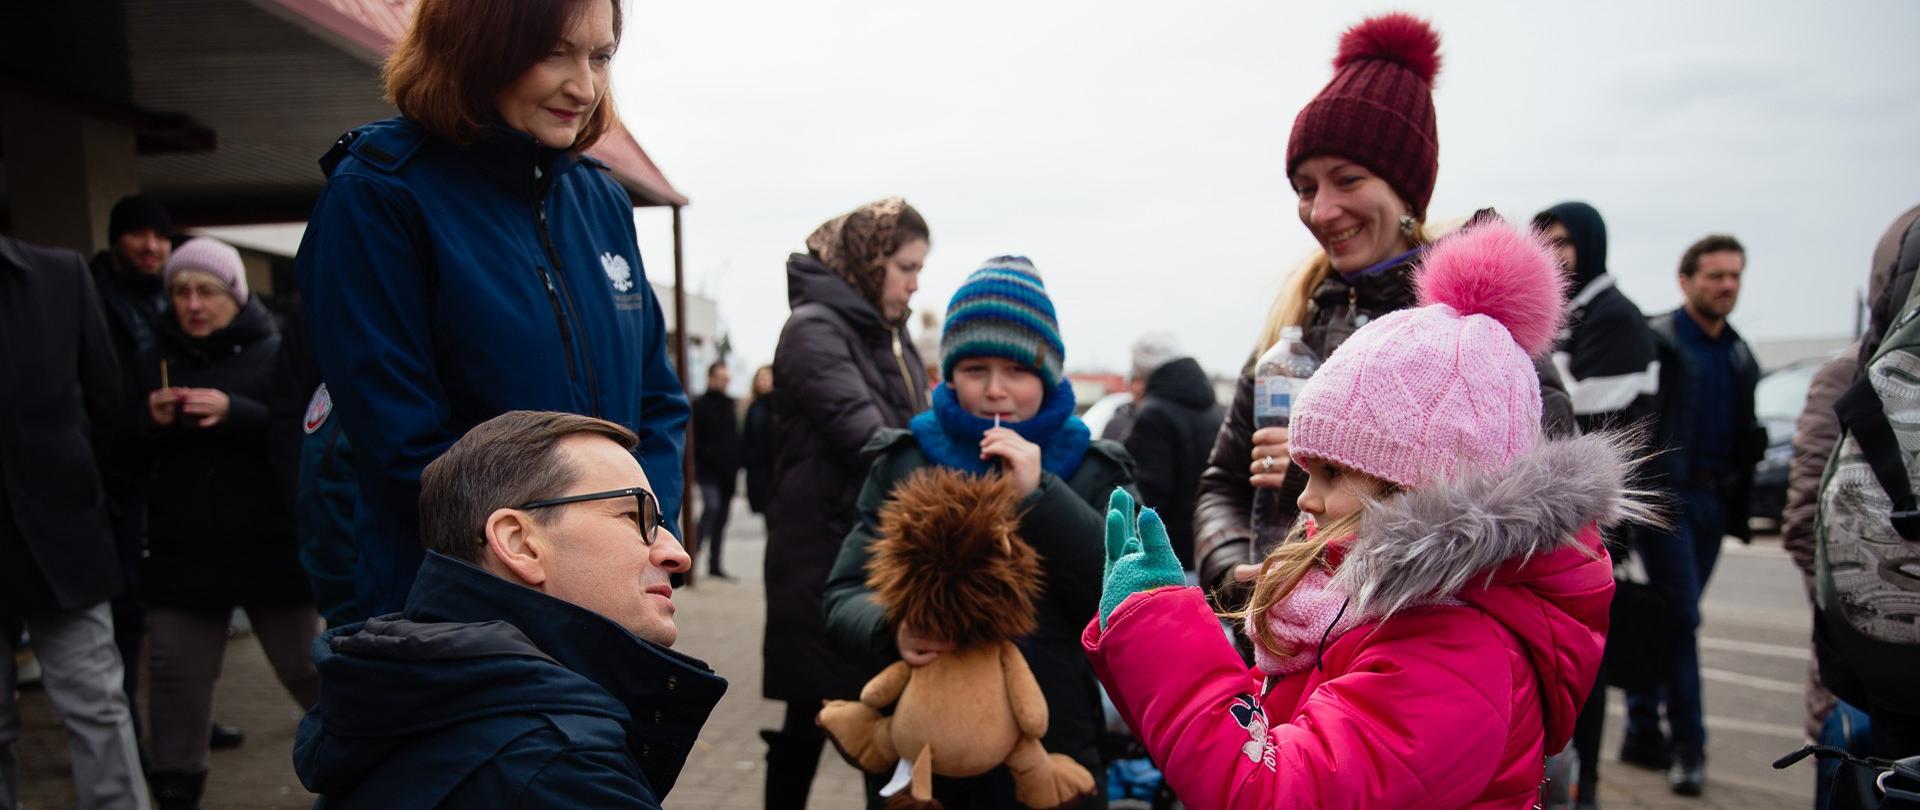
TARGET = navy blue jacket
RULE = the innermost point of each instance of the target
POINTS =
(486, 694)
(444, 285)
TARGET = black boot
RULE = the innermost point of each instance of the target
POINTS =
(173, 790)
(791, 762)
(224, 738)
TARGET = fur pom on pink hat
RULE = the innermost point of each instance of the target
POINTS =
(1423, 394)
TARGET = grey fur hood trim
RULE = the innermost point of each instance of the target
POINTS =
(1427, 545)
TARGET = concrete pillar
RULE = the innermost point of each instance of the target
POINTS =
(65, 170)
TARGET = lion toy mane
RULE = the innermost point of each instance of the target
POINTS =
(948, 563)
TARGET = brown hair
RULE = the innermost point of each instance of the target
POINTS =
(459, 54)
(1715, 243)
(502, 462)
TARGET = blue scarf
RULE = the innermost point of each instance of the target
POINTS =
(951, 437)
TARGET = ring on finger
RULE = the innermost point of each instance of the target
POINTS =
(1266, 464)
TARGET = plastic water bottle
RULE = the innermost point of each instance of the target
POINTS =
(1277, 379)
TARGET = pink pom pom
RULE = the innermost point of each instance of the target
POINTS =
(1504, 273)
(1399, 37)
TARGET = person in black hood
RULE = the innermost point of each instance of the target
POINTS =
(1173, 430)
(844, 368)
(1606, 359)
(532, 666)
(219, 532)
(1606, 355)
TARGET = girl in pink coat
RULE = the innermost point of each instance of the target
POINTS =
(1429, 636)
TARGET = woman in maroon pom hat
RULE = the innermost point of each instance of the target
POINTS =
(1362, 160)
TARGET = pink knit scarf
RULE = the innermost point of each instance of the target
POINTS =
(1310, 615)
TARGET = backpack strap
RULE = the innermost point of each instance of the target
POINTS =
(1865, 419)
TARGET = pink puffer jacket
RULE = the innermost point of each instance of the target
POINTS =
(1494, 591)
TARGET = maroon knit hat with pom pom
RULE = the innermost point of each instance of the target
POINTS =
(1378, 109)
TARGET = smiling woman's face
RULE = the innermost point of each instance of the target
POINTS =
(551, 101)
(1352, 213)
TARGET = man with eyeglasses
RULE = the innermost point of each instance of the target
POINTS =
(531, 666)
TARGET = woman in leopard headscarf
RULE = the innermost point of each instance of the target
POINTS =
(844, 369)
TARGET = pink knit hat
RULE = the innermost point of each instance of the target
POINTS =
(213, 257)
(1423, 394)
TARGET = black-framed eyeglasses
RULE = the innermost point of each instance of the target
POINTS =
(648, 518)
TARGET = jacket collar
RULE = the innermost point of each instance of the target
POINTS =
(1433, 543)
(659, 687)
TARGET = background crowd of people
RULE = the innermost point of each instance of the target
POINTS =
(171, 450)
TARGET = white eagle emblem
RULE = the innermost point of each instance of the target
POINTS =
(617, 271)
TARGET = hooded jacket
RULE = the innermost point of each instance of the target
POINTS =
(488, 694)
(1501, 585)
(219, 532)
(842, 373)
(1605, 354)
(444, 285)
(1173, 430)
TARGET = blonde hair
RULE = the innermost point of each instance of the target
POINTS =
(1290, 306)
(1282, 571)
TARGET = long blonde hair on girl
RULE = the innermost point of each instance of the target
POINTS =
(1282, 571)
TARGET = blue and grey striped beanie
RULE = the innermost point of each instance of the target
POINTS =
(1002, 310)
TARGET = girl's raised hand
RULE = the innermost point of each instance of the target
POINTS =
(1137, 561)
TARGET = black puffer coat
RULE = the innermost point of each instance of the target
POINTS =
(1221, 533)
(219, 531)
(1173, 430)
(842, 374)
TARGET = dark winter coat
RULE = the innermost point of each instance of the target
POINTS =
(133, 303)
(1172, 433)
(314, 464)
(219, 533)
(486, 694)
(1064, 520)
(842, 374)
(1605, 354)
(1679, 398)
(716, 440)
(1221, 532)
(60, 389)
(756, 452)
(445, 285)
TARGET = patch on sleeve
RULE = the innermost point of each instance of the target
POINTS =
(318, 409)
(1258, 748)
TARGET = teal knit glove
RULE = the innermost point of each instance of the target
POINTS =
(1136, 560)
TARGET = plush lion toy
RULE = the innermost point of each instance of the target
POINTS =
(948, 563)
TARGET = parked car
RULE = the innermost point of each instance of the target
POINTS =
(1778, 400)
(1103, 409)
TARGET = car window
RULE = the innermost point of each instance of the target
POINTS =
(1783, 393)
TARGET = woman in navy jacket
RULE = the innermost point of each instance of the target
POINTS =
(466, 259)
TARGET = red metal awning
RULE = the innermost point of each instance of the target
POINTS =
(369, 29)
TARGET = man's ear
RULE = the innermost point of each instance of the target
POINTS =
(513, 547)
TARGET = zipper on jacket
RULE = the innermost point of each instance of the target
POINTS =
(560, 320)
(900, 358)
(561, 297)
(1353, 306)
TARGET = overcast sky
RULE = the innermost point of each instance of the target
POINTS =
(1136, 150)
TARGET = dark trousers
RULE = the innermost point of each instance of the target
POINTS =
(716, 505)
(793, 755)
(1679, 562)
(1586, 736)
